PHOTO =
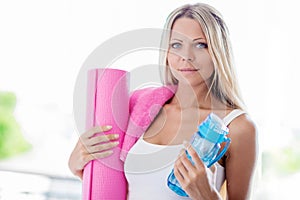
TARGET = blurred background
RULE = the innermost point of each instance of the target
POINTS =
(43, 45)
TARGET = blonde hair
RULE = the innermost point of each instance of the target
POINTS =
(223, 81)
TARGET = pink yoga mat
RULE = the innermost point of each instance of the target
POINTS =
(107, 104)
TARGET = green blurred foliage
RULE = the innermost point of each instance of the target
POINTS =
(282, 161)
(12, 141)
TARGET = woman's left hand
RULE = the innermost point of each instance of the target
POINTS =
(197, 180)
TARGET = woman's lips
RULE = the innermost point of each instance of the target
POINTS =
(188, 70)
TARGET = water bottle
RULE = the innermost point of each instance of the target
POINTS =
(206, 141)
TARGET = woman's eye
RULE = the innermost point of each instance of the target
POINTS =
(176, 45)
(201, 45)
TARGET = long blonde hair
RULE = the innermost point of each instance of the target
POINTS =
(223, 81)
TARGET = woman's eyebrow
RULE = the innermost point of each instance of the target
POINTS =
(200, 38)
(176, 39)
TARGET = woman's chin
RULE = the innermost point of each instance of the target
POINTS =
(190, 81)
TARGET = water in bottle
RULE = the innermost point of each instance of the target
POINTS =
(206, 142)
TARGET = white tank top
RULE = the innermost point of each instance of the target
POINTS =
(147, 167)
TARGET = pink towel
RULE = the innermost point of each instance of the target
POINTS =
(144, 106)
(107, 104)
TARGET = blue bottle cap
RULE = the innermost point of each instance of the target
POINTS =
(213, 129)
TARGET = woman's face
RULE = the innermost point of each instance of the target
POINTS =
(188, 55)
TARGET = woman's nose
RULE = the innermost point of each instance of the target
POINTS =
(188, 55)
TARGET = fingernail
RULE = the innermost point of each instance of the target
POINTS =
(185, 143)
(108, 126)
(182, 151)
(116, 136)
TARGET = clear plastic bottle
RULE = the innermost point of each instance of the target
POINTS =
(207, 143)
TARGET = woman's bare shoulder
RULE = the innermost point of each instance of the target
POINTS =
(243, 133)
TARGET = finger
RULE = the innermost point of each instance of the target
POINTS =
(178, 175)
(96, 129)
(96, 156)
(197, 160)
(102, 147)
(187, 163)
(181, 168)
(102, 138)
(103, 154)
(181, 153)
(182, 156)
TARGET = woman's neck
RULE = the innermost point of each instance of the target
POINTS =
(187, 96)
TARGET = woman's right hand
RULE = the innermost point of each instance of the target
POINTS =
(90, 147)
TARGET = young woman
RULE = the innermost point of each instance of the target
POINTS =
(198, 61)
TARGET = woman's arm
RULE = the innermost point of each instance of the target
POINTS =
(241, 158)
(239, 165)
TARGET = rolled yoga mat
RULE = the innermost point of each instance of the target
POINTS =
(107, 104)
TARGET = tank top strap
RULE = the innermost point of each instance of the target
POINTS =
(232, 115)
